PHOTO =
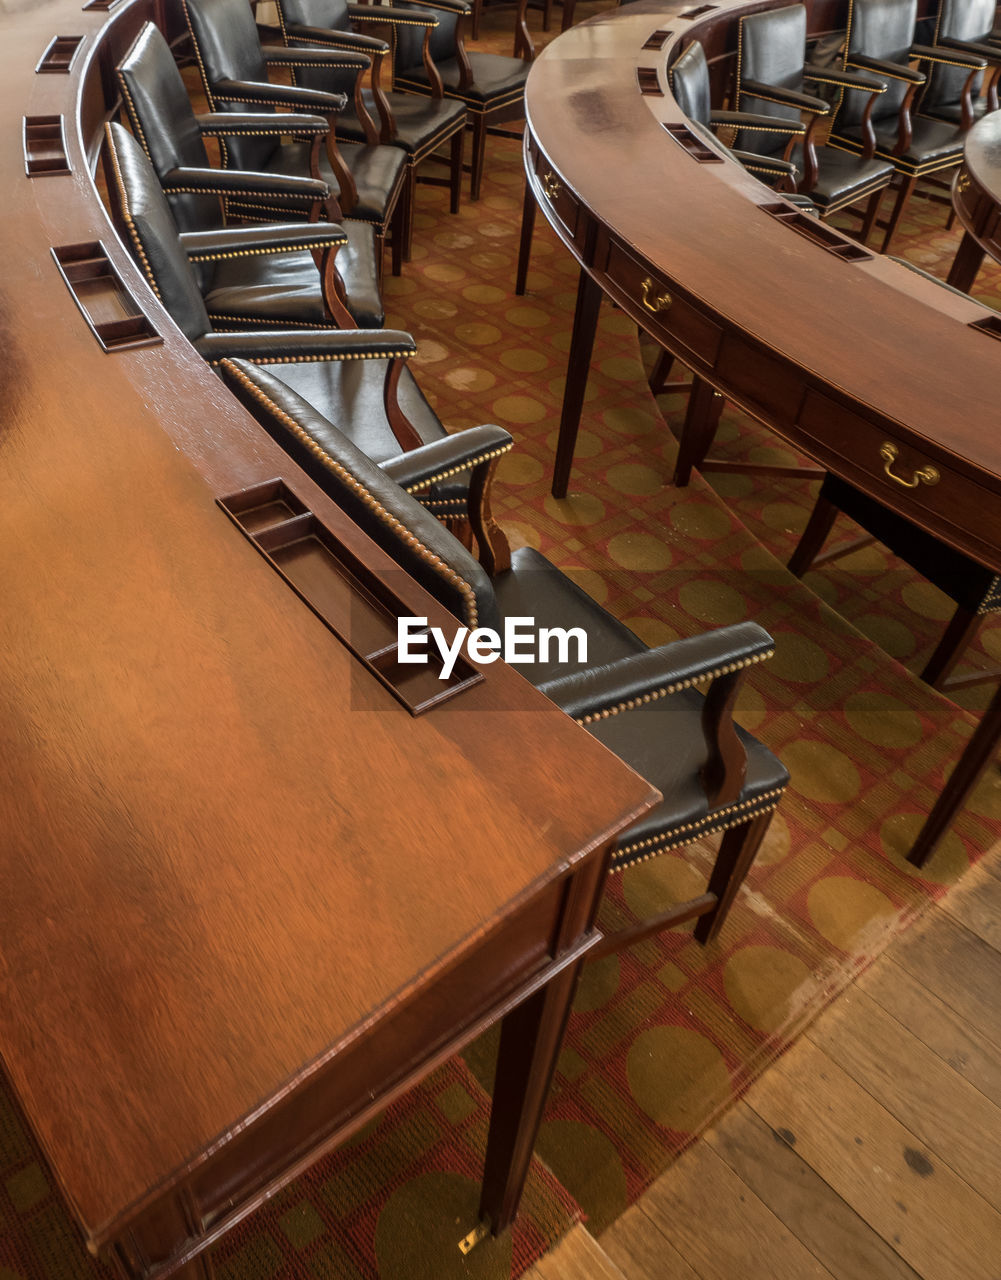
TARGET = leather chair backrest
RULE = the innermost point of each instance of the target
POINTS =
(152, 233)
(163, 120)
(228, 47)
(689, 75)
(881, 29)
(408, 42)
(415, 539)
(331, 15)
(956, 20)
(771, 49)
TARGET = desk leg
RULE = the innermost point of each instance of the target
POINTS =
(966, 264)
(969, 766)
(531, 1036)
(525, 247)
(585, 324)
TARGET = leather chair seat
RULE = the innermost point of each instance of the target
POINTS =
(935, 144)
(534, 588)
(281, 290)
(496, 79)
(843, 178)
(377, 172)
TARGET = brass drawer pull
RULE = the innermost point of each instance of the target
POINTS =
(926, 475)
(551, 185)
(660, 303)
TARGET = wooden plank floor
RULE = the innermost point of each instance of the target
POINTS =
(870, 1151)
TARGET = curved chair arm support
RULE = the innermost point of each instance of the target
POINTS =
(278, 95)
(249, 242)
(845, 79)
(232, 124)
(333, 38)
(391, 15)
(988, 48)
(644, 677)
(756, 122)
(785, 97)
(771, 166)
(307, 346)
(888, 70)
(244, 182)
(948, 58)
(459, 8)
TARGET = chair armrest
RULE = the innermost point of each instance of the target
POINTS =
(845, 79)
(756, 122)
(391, 14)
(948, 57)
(234, 124)
(228, 182)
(447, 456)
(307, 346)
(248, 242)
(892, 70)
(773, 165)
(785, 97)
(264, 93)
(981, 48)
(644, 677)
(334, 38)
(460, 8)
(336, 59)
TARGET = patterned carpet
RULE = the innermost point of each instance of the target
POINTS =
(665, 1035)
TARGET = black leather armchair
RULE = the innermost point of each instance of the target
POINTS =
(249, 290)
(773, 79)
(234, 66)
(418, 125)
(640, 702)
(491, 85)
(881, 40)
(966, 26)
(358, 378)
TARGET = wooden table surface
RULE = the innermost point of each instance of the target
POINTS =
(227, 852)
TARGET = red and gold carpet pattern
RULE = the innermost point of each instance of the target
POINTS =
(665, 1035)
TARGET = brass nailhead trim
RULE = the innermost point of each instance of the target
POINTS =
(749, 809)
(373, 504)
(315, 359)
(465, 466)
(208, 256)
(127, 215)
(656, 694)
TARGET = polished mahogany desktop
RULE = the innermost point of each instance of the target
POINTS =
(248, 897)
(976, 197)
(880, 375)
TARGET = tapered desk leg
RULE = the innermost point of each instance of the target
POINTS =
(531, 1036)
(966, 264)
(585, 324)
(525, 247)
(978, 752)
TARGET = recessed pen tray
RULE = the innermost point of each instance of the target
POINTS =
(116, 320)
(813, 229)
(44, 146)
(348, 597)
(990, 325)
(693, 144)
(58, 56)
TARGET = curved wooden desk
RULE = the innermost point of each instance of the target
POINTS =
(248, 898)
(976, 197)
(830, 345)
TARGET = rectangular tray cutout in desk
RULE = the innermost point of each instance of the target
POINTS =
(116, 320)
(693, 144)
(649, 81)
(689, 14)
(990, 325)
(44, 146)
(657, 39)
(344, 593)
(102, 6)
(58, 57)
(813, 229)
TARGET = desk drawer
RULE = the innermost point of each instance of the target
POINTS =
(664, 313)
(898, 472)
(560, 199)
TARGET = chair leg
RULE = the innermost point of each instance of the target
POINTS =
(871, 212)
(455, 170)
(736, 853)
(813, 537)
(907, 186)
(661, 371)
(704, 408)
(958, 634)
(525, 248)
(479, 149)
(408, 198)
(400, 229)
